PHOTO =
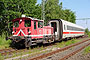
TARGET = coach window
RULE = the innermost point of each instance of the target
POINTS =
(34, 24)
(27, 23)
(16, 24)
(69, 27)
(40, 24)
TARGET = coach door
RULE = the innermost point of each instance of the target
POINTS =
(54, 24)
(57, 28)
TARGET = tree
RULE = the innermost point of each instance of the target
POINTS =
(14, 9)
(87, 31)
(54, 10)
(51, 10)
(69, 15)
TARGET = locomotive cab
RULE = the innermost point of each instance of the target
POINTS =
(28, 27)
(21, 27)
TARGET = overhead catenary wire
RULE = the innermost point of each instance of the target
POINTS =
(84, 19)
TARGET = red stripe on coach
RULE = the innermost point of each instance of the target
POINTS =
(73, 32)
(65, 32)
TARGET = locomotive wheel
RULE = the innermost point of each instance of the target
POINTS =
(28, 43)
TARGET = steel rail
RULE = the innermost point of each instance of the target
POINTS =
(59, 50)
(73, 53)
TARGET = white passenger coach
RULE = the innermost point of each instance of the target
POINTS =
(65, 29)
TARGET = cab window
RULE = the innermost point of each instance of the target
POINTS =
(16, 24)
(40, 24)
(34, 24)
(27, 23)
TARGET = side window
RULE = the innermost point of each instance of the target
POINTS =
(69, 27)
(74, 28)
(27, 23)
(40, 24)
(16, 24)
(34, 24)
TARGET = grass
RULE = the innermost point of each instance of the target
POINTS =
(33, 52)
(1, 57)
(30, 51)
(3, 43)
(71, 42)
(87, 50)
(66, 43)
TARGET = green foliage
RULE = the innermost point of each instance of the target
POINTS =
(11, 9)
(87, 32)
(3, 43)
(68, 15)
(66, 43)
(69, 42)
(54, 10)
(87, 50)
(1, 57)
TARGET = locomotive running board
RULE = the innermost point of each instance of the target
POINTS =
(30, 35)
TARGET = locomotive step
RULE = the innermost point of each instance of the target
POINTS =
(34, 44)
(33, 41)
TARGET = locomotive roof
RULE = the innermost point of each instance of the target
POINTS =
(72, 24)
(27, 18)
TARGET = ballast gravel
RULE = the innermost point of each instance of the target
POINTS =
(59, 55)
(80, 56)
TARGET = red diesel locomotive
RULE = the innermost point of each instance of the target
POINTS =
(29, 31)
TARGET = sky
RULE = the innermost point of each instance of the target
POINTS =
(81, 9)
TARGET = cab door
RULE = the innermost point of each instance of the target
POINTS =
(40, 29)
(35, 29)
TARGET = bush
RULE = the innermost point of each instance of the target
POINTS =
(3, 42)
(87, 32)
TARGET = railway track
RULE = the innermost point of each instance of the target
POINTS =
(45, 56)
(76, 51)
(10, 51)
(4, 51)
